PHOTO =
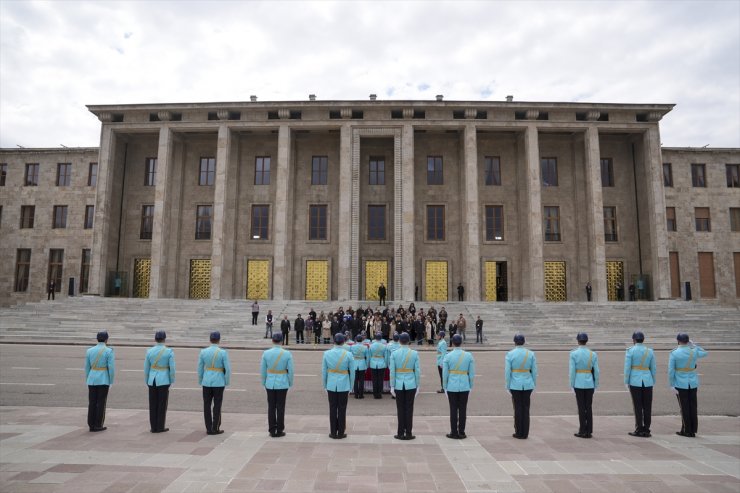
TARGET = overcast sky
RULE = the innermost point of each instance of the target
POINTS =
(56, 57)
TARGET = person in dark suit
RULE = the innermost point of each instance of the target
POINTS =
(588, 291)
(381, 293)
(298, 326)
(52, 289)
(285, 330)
(460, 292)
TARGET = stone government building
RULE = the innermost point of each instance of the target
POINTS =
(324, 200)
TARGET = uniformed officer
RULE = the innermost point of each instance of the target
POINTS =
(458, 373)
(214, 373)
(394, 344)
(100, 369)
(276, 370)
(336, 368)
(683, 378)
(520, 372)
(584, 380)
(639, 378)
(360, 353)
(378, 357)
(441, 353)
(159, 374)
(405, 381)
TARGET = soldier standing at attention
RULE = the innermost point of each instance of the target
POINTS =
(159, 374)
(684, 380)
(214, 373)
(276, 370)
(99, 371)
(360, 354)
(521, 379)
(584, 380)
(378, 363)
(457, 381)
(405, 380)
(639, 378)
(336, 368)
(441, 353)
(381, 294)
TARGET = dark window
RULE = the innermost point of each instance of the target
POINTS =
(670, 218)
(552, 223)
(607, 172)
(435, 222)
(260, 222)
(733, 175)
(32, 175)
(89, 216)
(3, 173)
(150, 172)
(64, 174)
(56, 265)
(494, 223)
(698, 175)
(376, 222)
(92, 175)
(734, 218)
(27, 216)
(377, 171)
(434, 170)
(703, 220)
(262, 170)
(610, 224)
(85, 270)
(207, 171)
(667, 175)
(549, 167)
(22, 269)
(319, 170)
(317, 222)
(493, 171)
(147, 222)
(60, 217)
(203, 222)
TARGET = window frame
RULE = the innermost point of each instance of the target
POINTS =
(64, 174)
(92, 175)
(319, 170)
(735, 219)
(609, 163)
(490, 222)
(207, 171)
(492, 171)
(3, 174)
(435, 170)
(371, 231)
(668, 178)
(59, 217)
(22, 266)
(89, 220)
(260, 223)
(85, 266)
(150, 171)
(203, 222)
(314, 222)
(703, 224)
(549, 165)
(698, 181)
(56, 266)
(436, 230)
(262, 169)
(30, 224)
(31, 176)
(732, 174)
(378, 173)
(549, 221)
(146, 227)
(613, 235)
(671, 221)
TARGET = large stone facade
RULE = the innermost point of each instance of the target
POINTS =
(507, 198)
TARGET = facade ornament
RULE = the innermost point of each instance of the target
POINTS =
(222, 114)
(164, 115)
(283, 113)
(408, 112)
(532, 114)
(345, 112)
(593, 115)
(654, 116)
(471, 113)
(105, 116)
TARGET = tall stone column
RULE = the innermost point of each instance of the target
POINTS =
(533, 275)
(595, 215)
(161, 247)
(398, 238)
(349, 214)
(103, 205)
(223, 240)
(653, 162)
(283, 255)
(471, 216)
(407, 256)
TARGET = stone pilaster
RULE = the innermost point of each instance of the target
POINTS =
(408, 259)
(349, 214)
(595, 215)
(162, 252)
(223, 241)
(282, 256)
(533, 274)
(653, 159)
(103, 198)
(471, 216)
(398, 239)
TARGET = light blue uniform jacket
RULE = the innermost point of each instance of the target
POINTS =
(682, 367)
(392, 346)
(336, 368)
(405, 358)
(276, 368)
(639, 366)
(520, 370)
(378, 355)
(360, 353)
(102, 358)
(159, 366)
(454, 362)
(214, 357)
(585, 360)
(441, 351)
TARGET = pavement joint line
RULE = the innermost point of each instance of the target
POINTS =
(34, 384)
(23, 368)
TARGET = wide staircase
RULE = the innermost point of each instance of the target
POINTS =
(188, 322)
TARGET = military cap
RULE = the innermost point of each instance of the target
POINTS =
(682, 337)
(160, 335)
(339, 339)
(519, 339)
(638, 336)
(456, 340)
(215, 335)
(358, 338)
(378, 336)
(582, 337)
(403, 337)
(441, 333)
(103, 336)
(277, 337)
(396, 336)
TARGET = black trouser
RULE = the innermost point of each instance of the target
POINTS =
(584, 398)
(459, 297)
(317, 337)
(254, 317)
(158, 397)
(50, 295)
(286, 338)
(405, 411)
(97, 397)
(520, 400)
(458, 411)
(337, 411)
(687, 403)
(268, 329)
(642, 401)
(276, 410)
(213, 395)
(359, 383)
(299, 337)
(441, 383)
(588, 296)
(478, 335)
(378, 374)
(382, 300)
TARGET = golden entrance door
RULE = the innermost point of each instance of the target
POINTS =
(435, 280)
(490, 280)
(376, 271)
(614, 277)
(555, 282)
(200, 278)
(142, 273)
(258, 279)
(317, 280)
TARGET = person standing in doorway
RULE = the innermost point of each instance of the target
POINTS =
(639, 378)
(521, 378)
(584, 380)
(460, 292)
(381, 294)
(255, 312)
(159, 374)
(588, 291)
(52, 290)
(99, 372)
(276, 371)
(214, 373)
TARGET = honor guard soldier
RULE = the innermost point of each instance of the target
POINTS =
(276, 370)
(584, 380)
(458, 373)
(336, 368)
(214, 373)
(394, 344)
(441, 353)
(159, 374)
(405, 381)
(521, 379)
(683, 378)
(360, 353)
(639, 378)
(378, 363)
(100, 369)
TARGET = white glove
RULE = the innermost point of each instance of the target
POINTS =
(574, 390)
(626, 386)
(509, 391)
(417, 391)
(445, 392)
(675, 390)
(393, 392)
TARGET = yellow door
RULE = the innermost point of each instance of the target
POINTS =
(555, 282)
(436, 280)
(142, 272)
(490, 280)
(200, 278)
(614, 277)
(317, 280)
(376, 271)
(258, 279)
